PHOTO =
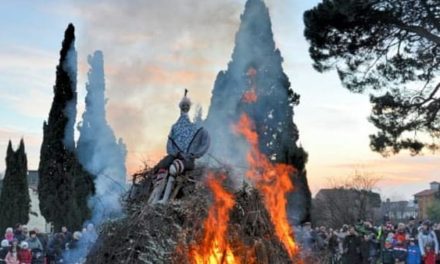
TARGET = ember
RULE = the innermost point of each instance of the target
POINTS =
(250, 96)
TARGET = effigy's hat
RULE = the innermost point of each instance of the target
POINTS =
(185, 100)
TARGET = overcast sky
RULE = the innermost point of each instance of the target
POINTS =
(155, 49)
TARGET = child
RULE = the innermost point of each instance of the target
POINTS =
(388, 252)
(25, 254)
(414, 255)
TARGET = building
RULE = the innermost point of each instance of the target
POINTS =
(32, 179)
(399, 210)
(425, 198)
(338, 206)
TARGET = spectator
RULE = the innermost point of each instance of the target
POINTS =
(411, 228)
(400, 235)
(55, 249)
(25, 232)
(414, 256)
(12, 256)
(34, 242)
(42, 237)
(9, 234)
(67, 235)
(400, 251)
(4, 250)
(18, 233)
(388, 252)
(90, 236)
(428, 243)
(24, 254)
(352, 244)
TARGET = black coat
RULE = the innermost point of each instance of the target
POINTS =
(352, 249)
(3, 253)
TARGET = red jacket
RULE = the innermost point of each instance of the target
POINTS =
(25, 256)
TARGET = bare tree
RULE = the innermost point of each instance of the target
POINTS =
(347, 200)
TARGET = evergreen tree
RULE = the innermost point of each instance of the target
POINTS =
(64, 186)
(14, 198)
(256, 84)
(389, 48)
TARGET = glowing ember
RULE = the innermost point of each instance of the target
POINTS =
(273, 181)
(250, 96)
(214, 247)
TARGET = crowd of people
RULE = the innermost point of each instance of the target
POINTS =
(363, 243)
(23, 246)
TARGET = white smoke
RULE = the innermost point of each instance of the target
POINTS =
(101, 154)
(98, 150)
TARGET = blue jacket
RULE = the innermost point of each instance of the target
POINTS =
(414, 256)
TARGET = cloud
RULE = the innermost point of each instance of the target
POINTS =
(152, 51)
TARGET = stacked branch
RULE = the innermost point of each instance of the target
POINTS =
(165, 233)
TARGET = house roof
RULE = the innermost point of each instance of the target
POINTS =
(427, 192)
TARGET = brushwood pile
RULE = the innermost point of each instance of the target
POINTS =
(164, 233)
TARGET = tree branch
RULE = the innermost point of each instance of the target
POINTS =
(420, 31)
(431, 16)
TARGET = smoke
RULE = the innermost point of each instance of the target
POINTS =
(100, 153)
(70, 66)
(98, 150)
(254, 48)
(256, 66)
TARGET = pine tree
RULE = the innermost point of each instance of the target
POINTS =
(64, 186)
(256, 84)
(14, 198)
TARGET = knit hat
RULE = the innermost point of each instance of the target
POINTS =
(5, 243)
(77, 235)
(185, 100)
(9, 230)
(24, 245)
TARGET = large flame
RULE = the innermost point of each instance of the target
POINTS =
(214, 247)
(273, 181)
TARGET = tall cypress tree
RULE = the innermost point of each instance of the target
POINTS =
(256, 67)
(14, 199)
(64, 186)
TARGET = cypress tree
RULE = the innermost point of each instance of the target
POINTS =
(64, 186)
(256, 67)
(14, 198)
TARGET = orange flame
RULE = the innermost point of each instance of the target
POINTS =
(273, 181)
(250, 96)
(214, 247)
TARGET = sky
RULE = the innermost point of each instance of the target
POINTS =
(155, 49)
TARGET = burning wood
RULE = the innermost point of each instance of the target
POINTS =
(174, 232)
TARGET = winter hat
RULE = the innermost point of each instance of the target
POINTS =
(5, 243)
(24, 245)
(185, 100)
(77, 235)
(9, 230)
